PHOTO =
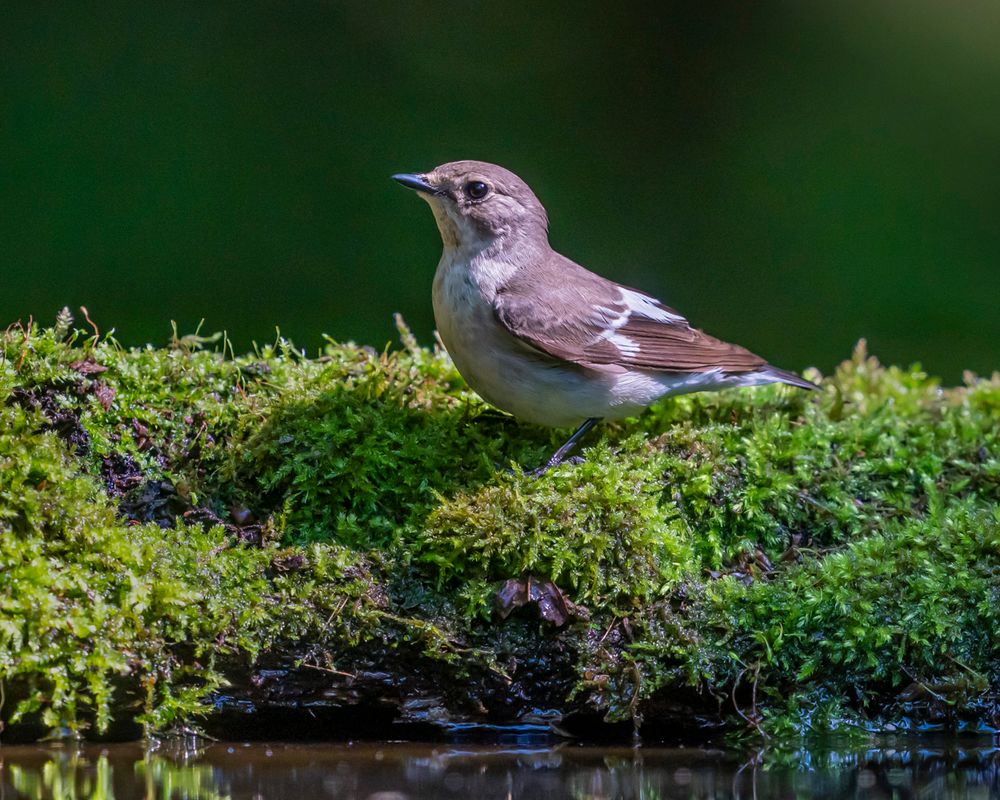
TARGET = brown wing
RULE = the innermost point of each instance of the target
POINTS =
(677, 347)
(574, 315)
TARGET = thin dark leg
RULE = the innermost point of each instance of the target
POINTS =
(560, 455)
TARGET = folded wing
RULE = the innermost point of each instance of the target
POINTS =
(577, 316)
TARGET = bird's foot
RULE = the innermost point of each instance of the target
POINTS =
(539, 471)
(562, 455)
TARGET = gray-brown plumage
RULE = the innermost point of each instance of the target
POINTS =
(538, 335)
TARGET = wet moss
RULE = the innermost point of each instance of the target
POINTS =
(182, 524)
(909, 612)
(87, 598)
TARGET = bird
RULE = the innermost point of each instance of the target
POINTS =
(541, 337)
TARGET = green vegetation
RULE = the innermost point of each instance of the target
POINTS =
(172, 518)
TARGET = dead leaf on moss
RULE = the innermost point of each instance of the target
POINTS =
(87, 367)
(551, 602)
(105, 394)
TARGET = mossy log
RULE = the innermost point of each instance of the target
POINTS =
(193, 537)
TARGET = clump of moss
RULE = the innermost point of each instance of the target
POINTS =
(759, 470)
(359, 451)
(598, 530)
(913, 605)
(86, 600)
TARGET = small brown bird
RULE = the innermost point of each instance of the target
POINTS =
(539, 336)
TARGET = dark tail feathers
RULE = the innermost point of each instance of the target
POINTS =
(784, 376)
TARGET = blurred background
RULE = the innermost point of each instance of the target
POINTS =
(791, 176)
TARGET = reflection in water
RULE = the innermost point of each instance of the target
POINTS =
(895, 769)
(124, 771)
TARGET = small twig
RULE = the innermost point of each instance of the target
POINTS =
(923, 685)
(608, 631)
(967, 668)
(24, 344)
(732, 695)
(636, 688)
(327, 669)
(754, 721)
(753, 698)
(806, 497)
(86, 316)
(333, 613)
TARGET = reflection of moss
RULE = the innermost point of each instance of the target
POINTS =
(70, 776)
(167, 779)
(800, 558)
(66, 776)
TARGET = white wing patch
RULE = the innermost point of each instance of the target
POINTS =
(615, 319)
(647, 307)
(626, 346)
(634, 303)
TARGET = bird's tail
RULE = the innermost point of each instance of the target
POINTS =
(784, 376)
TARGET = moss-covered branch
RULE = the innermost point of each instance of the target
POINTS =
(184, 532)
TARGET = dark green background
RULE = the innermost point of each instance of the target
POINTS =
(791, 176)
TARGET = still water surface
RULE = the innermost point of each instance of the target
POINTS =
(967, 768)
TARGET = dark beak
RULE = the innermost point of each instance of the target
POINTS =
(417, 182)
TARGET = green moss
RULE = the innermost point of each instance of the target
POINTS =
(753, 469)
(792, 559)
(915, 603)
(86, 600)
(598, 530)
(360, 450)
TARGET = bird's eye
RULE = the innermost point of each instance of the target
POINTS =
(476, 190)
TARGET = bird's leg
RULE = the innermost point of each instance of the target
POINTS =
(560, 455)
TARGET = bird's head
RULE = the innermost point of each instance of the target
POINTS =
(477, 204)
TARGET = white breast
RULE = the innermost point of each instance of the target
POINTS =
(507, 373)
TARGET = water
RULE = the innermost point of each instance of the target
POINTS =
(917, 768)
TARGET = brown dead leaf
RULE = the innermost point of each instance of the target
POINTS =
(105, 394)
(550, 601)
(141, 433)
(88, 367)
